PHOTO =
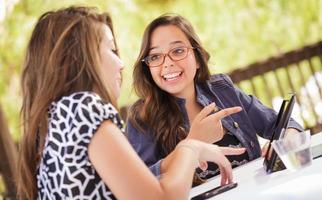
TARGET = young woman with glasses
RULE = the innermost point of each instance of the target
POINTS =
(173, 83)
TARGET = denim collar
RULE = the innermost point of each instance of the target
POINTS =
(201, 96)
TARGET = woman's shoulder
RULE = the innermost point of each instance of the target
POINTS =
(134, 120)
(219, 82)
(220, 79)
(83, 99)
(135, 108)
(85, 104)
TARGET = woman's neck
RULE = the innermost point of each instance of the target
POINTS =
(192, 107)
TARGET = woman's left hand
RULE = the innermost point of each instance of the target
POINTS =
(288, 133)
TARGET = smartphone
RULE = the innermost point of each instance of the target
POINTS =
(215, 191)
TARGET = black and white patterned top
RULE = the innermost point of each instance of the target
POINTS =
(65, 171)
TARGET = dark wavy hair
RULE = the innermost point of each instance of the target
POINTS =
(62, 58)
(157, 109)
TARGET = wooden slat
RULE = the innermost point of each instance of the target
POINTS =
(308, 93)
(253, 87)
(8, 157)
(279, 85)
(313, 71)
(268, 90)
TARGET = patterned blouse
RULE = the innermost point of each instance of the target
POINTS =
(65, 171)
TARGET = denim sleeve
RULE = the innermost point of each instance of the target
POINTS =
(145, 147)
(262, 117)
(156, 169)
(294, 124)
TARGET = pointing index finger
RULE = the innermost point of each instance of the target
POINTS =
(227, 111)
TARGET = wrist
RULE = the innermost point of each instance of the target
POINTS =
(192, 144)
(191, 136)
(190, 141)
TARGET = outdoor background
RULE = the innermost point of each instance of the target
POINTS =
(235, 32)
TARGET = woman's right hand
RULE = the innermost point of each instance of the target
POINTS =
(216, 154)
(207, 127)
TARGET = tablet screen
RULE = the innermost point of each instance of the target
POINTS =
(272, 161)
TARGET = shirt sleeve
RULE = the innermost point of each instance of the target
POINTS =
(91, 112)
(83, 113)
(262, 117)
(145, 147)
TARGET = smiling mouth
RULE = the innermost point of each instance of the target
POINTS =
(171, 77)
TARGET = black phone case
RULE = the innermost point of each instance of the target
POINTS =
(215, 191)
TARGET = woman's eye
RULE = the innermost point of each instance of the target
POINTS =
(154, 57)
(178, 50)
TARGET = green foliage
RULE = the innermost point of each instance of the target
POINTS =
(235, 33)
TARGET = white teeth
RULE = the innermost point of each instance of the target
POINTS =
(170, 76)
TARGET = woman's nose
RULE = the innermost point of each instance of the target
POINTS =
(121, 64)
(167, 61)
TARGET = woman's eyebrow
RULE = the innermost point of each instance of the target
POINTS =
(171, 43)
(177, 42)
(151, 48)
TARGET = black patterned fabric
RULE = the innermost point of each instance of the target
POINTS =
(229, 140)
(65, 171)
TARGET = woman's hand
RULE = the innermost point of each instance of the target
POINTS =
(288, 133)
(207, 127)
(216, 154)
(265, 149)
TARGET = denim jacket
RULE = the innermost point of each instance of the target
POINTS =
(255, 119)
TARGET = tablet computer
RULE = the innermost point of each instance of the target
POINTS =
(272, 162)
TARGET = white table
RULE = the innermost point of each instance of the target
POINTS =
(255, 183)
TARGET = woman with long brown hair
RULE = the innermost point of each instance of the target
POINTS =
(173, 83)
(73, 146)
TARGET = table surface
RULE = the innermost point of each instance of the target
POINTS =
(255, 183)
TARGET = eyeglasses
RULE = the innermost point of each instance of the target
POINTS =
(175, 54)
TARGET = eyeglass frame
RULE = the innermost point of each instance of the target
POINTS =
(167, 54)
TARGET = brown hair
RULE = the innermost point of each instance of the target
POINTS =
(156, 108)
(62, 58)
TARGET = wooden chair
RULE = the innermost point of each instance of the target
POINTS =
(8, 158)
